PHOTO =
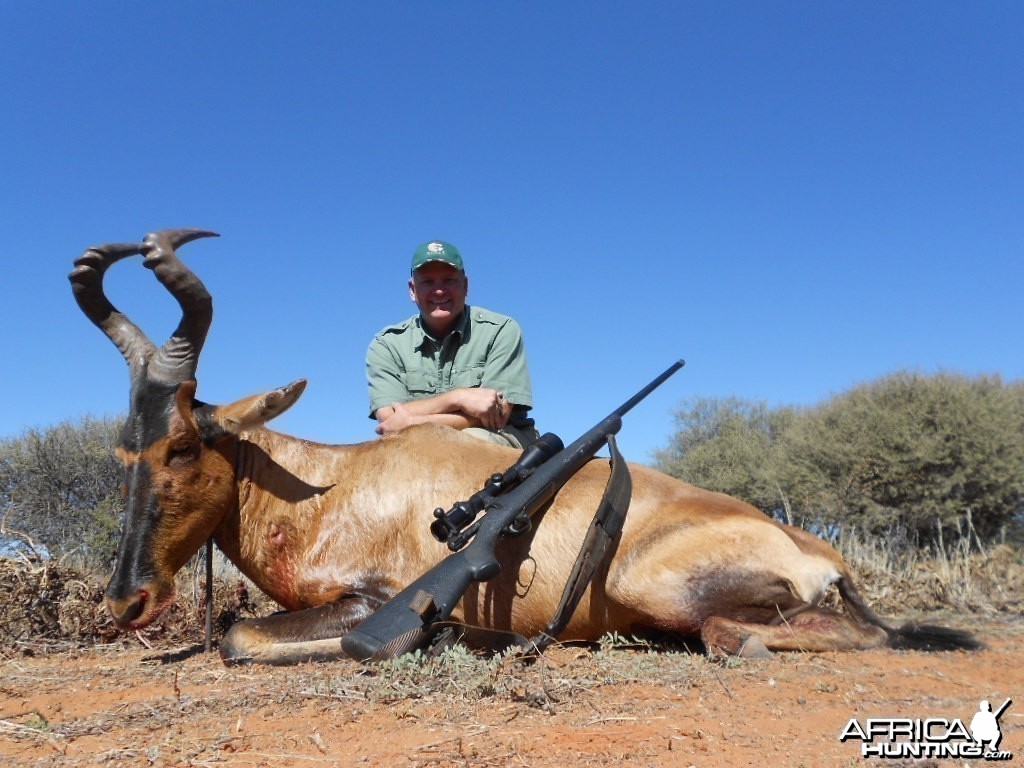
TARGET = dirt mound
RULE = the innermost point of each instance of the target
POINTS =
(50, 606)
(46, 603)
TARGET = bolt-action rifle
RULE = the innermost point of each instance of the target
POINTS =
(408, 620)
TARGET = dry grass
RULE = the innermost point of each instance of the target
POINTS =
(460, 679)
(962, 575)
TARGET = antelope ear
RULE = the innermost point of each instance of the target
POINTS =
(255, 410)
(184, 404)
(185, 396)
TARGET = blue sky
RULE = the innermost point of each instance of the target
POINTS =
(795, 197)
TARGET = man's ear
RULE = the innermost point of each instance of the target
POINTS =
(412, 290)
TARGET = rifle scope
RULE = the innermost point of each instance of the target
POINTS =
(462, 513)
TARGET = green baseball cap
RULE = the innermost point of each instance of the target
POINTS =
(437, 250)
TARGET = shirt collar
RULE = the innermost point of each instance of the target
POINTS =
(461, 329)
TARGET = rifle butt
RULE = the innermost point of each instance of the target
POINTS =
(364, 647)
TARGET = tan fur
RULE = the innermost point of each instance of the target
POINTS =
(309, 523)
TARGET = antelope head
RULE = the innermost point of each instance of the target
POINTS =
(177, 451)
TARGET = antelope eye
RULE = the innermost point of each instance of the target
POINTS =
(178, 455)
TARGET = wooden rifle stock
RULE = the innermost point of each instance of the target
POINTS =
(406, 622)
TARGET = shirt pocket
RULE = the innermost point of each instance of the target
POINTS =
(417, 383)
(468, 377)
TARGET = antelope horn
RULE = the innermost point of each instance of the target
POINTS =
(87, 286)
(177, 359)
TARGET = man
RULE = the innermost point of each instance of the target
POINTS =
(451, 364)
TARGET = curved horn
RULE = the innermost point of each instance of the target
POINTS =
(177, 359)
(87, 286)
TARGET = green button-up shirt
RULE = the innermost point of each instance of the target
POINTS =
(485, 349)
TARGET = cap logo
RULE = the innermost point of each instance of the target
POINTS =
(435, 248)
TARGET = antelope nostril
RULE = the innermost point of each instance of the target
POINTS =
(127, 611)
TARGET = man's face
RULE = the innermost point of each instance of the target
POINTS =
(439, 290)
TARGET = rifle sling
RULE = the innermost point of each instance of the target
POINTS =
(597, 547)
(595, 553)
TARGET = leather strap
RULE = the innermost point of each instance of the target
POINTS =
(597, 546)
(595, 552)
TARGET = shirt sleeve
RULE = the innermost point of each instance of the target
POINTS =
(383, 374)
(506, 368)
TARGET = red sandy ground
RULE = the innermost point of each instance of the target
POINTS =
(112, 706)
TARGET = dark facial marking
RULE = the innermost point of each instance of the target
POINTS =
(152, 403)
(134, 565)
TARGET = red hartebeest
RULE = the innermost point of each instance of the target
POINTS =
(332, 531)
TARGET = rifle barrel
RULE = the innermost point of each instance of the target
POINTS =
(627, 406)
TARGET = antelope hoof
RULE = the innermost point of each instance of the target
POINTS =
(754, 648)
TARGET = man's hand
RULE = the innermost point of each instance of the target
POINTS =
(396, 420)
(488, 406)
(458, 408)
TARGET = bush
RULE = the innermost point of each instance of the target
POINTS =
(729, 445)
(61, 488)
(908, 452)
(912, 452)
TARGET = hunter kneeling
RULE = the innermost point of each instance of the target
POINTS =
(451, 364)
